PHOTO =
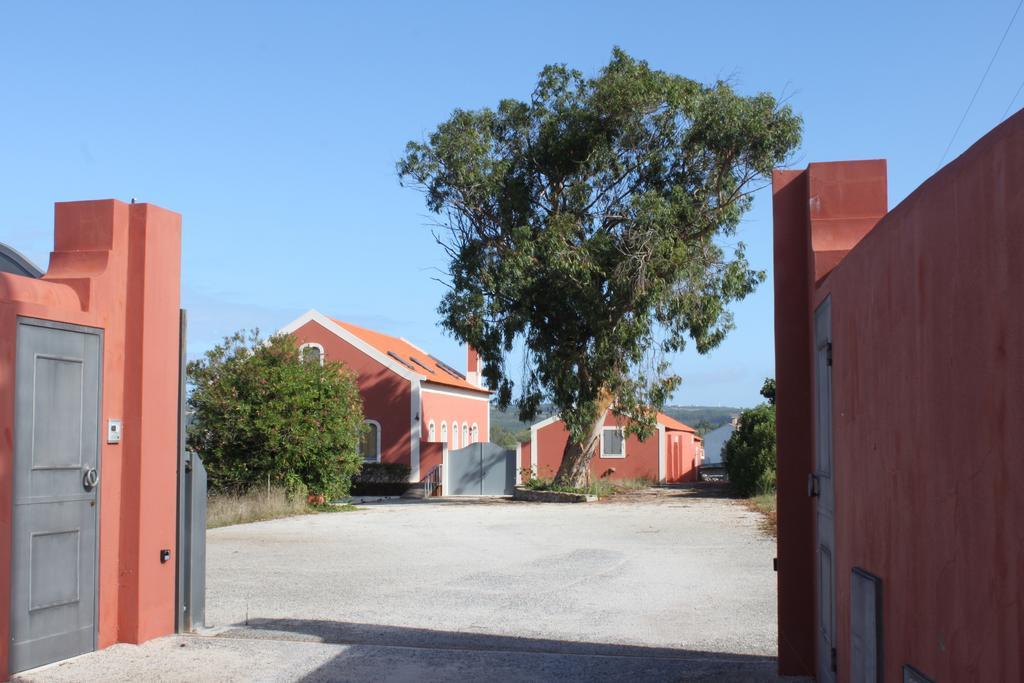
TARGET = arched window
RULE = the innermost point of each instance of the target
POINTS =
(311, 353)
(455, 435)
(444, 432)
(369, 444)
(474, 433)
(465, 434)
(431, 431)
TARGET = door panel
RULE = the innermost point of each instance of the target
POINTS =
(823, 472)
(56, 442)
(481, 469)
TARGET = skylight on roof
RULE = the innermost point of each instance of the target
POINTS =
(447, 368)
(420, 363)
(400, 360)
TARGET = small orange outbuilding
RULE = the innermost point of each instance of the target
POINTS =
(672, 454)
(88, 436)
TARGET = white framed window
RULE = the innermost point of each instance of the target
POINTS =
(455, 435)
(311, 353)
(444, 432)
(369, 444)
(474, 433)
(431, 431)
(465, 434)
(613, 442)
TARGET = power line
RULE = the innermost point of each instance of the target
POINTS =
(981, 82)
(1014, 99)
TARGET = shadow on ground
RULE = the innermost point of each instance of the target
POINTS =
(448, 655)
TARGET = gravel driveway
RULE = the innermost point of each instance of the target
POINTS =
(668, 585)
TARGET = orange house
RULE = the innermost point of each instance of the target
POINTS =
(412, 402)
(671, 455)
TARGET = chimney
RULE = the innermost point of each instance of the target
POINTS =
(473, 367)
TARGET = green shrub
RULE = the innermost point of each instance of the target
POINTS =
(382, 479)
(749, 454)
(263, 418)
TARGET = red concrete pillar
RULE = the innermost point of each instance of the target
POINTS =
(794, 438)
(819, 215)
(150, 424)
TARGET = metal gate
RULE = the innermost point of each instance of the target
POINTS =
(481, 469)
(822, 487)
(56, 476)
(190, 589)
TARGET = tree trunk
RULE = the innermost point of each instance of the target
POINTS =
(576, 457)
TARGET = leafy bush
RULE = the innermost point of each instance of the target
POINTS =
(382, 479)
(264, 418)
(749, 454)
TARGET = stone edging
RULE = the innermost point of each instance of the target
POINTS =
(523, 493)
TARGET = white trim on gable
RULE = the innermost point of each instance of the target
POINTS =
(313, 315)
(434, 388)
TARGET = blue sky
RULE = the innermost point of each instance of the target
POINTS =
(273, 128)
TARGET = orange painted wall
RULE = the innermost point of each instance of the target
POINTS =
(386, 396)
(928, 371)
(117, 267)
(683, 455)
(453, 408)
(431, 455)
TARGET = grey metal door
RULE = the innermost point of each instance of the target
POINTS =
(481, 469)
(56, 476)
(497, 470)
(823, 487)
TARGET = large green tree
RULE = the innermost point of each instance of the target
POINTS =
(589, 223)
(264, 414)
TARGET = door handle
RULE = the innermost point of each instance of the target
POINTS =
(90, 479)
(813, 487)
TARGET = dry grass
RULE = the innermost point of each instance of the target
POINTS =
(765, 503)
(259, 505)
(602, 488)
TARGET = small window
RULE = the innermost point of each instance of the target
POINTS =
(444, 432)
(369, 444)
(455, 435)
(311, 353)
(431, 431)
(475, 433)
(613, 443)
(465, 434)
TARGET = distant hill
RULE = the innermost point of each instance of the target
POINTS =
(701, 418)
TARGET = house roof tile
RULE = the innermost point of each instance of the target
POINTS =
(412, 357)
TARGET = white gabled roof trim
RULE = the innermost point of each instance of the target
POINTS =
(436, 388)
(545, 422)
(337, 330)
